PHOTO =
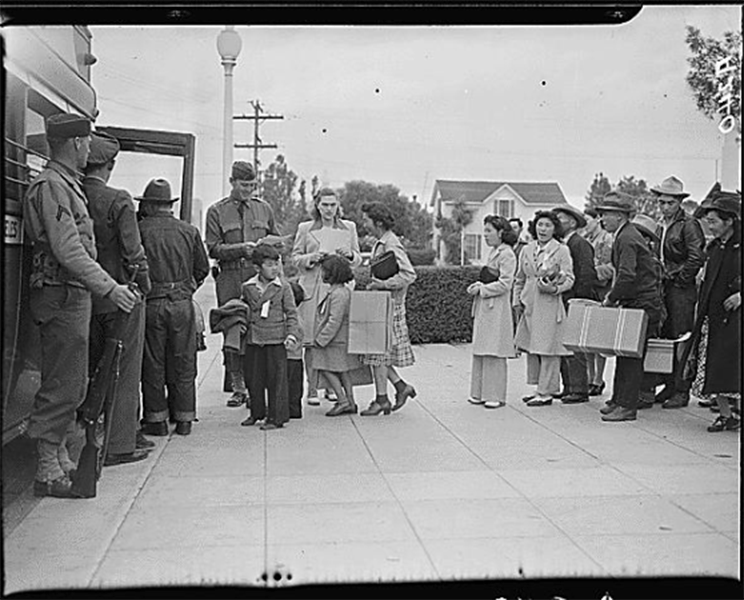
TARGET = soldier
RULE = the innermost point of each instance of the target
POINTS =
(683, 255)
(178, 266)
(64, 273)
(119, 251)
(234, 226)
(636, 285)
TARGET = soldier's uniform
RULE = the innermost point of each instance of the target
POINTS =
(64, 273)
(178, 266)
(120, 250)
(231, 222)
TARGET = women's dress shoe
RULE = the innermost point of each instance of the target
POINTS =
(342, 408)
(313, 400)
(608, 408)
(494, 404)
(249, 421)
(476, 401)
(724, 424)
(620, 414)
(183, 427)
(375, 408)
(159, 428)
(112, 460)
(540, 401)
(401, 397)
(142, 443)
(269, 426)
(58, 488)
(596, 390)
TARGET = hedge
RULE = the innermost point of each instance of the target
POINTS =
(437, 306)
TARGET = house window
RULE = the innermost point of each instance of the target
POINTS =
(505, 208)
(472, 247)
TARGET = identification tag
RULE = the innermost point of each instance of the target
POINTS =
(265, 309)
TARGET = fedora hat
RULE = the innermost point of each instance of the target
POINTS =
(573, 212)
(725, 202)
(647, 225)
(158, 190)
(613, 202)
(671, 186)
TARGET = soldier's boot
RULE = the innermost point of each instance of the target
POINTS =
(51, 479)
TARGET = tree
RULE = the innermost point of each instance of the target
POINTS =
(412, 223)
(597, 190)
(279, 183)
(451, 230)
(715, 75)
(638, 190)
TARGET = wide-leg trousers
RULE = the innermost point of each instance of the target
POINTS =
(488, 378)
(545, 372)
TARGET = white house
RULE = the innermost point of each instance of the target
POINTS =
(506, 198)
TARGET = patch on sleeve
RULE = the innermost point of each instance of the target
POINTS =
(61, 212)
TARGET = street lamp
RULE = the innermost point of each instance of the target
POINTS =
(229, 45)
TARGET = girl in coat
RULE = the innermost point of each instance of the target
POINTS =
(330, 355)
(545, 272)
(492, 326)
(325, 235)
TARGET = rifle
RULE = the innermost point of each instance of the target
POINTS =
(99, 399)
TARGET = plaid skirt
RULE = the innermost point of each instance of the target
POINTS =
(401, 353)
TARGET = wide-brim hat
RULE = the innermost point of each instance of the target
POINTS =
(725, 202)
(158, 190)
(647, 225)
(615, 203)
(572, 212)
(671, 186)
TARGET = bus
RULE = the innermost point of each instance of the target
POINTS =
(47, 71)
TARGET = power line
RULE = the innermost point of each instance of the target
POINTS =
(257, 117)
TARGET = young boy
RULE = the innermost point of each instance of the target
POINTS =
(273, 327)
(295, 364)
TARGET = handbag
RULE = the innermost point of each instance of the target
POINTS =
(384, 266)
(488, 275)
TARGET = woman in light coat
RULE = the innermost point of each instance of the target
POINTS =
(492, 326)
(326, 234)
(545, 272)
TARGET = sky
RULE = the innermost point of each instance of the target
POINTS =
(410, 105)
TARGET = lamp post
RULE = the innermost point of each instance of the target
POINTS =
(229, 45)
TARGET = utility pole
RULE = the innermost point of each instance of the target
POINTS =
(257, 117)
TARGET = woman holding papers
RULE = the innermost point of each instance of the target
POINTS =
(379, 222)
(325, 235)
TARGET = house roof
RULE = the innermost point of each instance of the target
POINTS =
(477, 191)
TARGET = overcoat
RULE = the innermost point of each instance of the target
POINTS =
(492, 325)
(308, 241)
(540, 330)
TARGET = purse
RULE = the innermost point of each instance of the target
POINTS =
(384, 266)
(488, 275)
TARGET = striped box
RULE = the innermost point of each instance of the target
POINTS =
(593, 328)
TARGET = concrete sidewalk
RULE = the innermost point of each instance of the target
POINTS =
(440, 490)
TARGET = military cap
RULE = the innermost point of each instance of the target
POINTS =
(613, 202)
(158, 190)
(243, 170)
(67, 125)
(103, 148)
(572, 212)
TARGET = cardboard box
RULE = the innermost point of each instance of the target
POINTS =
(370, 323)
(606, 330)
